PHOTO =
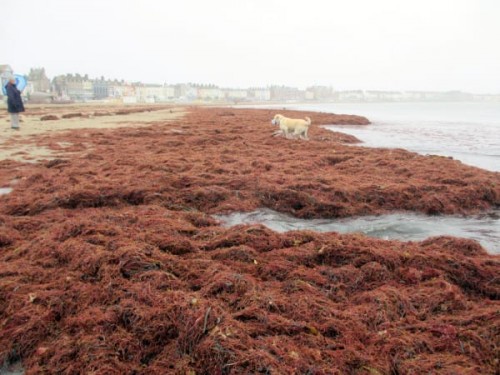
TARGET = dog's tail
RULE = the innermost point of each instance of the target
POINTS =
(308, 121)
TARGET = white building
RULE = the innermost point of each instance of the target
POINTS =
(120, 89)
(259, 94)
(210, 93)
(154, 93)
(235, 94)
(354, 95)
(5, 73)
(378, 95)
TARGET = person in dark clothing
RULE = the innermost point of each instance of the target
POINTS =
(14, 103)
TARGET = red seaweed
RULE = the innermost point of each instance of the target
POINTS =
(111, 263)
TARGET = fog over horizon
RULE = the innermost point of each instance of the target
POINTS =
(384, 45)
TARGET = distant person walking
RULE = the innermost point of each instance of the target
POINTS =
(14, 103)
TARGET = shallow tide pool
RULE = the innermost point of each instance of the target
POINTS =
(5, 190)
(401, 226)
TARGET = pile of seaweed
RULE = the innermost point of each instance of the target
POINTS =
(110, 261)
(84, 110)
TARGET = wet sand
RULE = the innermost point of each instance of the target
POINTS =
(20, 145)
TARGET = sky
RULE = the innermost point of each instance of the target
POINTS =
(435, 45)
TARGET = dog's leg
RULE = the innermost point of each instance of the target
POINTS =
(305, 135)
(284, 131)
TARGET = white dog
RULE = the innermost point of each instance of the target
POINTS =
(292, 126)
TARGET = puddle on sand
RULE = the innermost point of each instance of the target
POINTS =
(402, 226)
(15, 368)
(5, 190)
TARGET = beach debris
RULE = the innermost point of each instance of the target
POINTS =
(49, 118)
(72, 115)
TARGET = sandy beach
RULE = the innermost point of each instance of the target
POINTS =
(21, 145)
(111, 260)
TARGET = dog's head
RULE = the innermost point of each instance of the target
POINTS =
(276, 120)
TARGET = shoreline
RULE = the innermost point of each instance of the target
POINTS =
(108, 251)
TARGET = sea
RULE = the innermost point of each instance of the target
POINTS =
(466, 131)
(469, 132)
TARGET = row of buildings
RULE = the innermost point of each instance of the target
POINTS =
(76, 87)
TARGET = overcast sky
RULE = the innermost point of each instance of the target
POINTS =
(355, 44)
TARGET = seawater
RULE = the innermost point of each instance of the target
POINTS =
(400, 226)
(6, 190)
(469, 132)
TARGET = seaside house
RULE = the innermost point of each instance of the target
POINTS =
(81, 88)
(148, 93)
(486, 98)
(422, 96)
(208, 92)
(5, 73)
(169, 92)
(101, 88)
(457, 96)
(350, 96)
(259, 94)
(153, 93)
(319, 93)
(33, 96)
(236, 95)
(284, 93)
(185, 91)
(128, 93)
(38, 78)
(116, 89)
(38, 88)
(74, 87)
(382, 96)
(59, 87)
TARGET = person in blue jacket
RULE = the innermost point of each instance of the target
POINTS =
(14, 103)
